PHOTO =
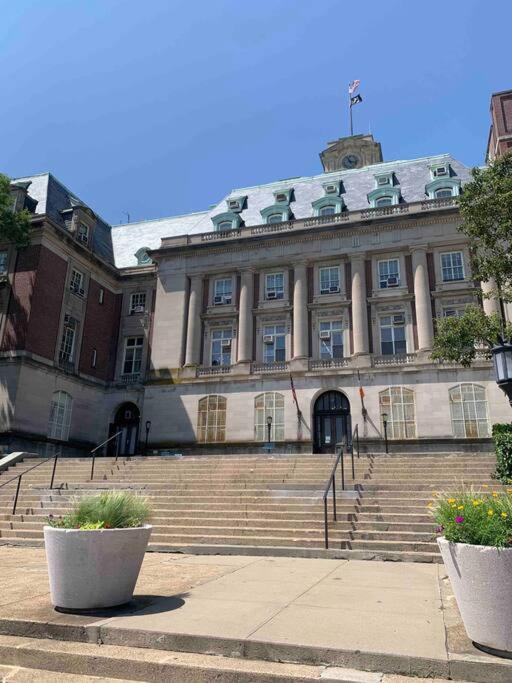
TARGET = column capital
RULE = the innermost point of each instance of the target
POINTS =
(418, 247)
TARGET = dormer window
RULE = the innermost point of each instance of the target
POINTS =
(333, 187)
(383, 180)
(328, 210)
(329, 205)
(277, 213)
(440, 171)
(236, 204)
(226, 221)
(142, 256)
(83, 233)
(388, 195)
(443, 192)
(444, 183)
(384, 201)
(283, 196)
(225, 225)
(275, 218)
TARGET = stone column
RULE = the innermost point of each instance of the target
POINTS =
(300, 312)
(194, 340)
(359, 310)
(422, 299)
(490, 305)
(245, 320)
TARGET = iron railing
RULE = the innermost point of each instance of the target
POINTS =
(93, 452)
(19, 477)
(354, 439)
(340, 448)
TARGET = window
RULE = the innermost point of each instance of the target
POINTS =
(94, 358)
(271, 405)
(83, 233)
(383, 180)
(327, 211)
(224, 225)
(329, 280)
(398, 404)
(142, 256)
(211, 419)
(392, 335)
(468, 408)
(274, 343)
(221, 346)
(67, 342)
(223, 291)
(389, 273)
(274, 286)
(452, 266)
(137, 303)
(331, 339)
(76, 283)
(3, 262)
(440, 171)
(60, 416)
(452, 312)
(275, 218)
(443, 192)
(384, 201)
(101, 296)
(133, 355)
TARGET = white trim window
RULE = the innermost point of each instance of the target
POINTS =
(389, 273)
(224, 225)
(274, 343)
(452, 266)
(275, 218)
(137, 303)
(76, 282)
(331, 339)
(132, 360)
(274, 286)
(67, 340)
(392, 335)
(468, 408)
(383, 201)
(443, 192)
(59, 420)
(270, 404)
(83, 233)
(223, 291)
(3, 262)
(329, 280)
(221, 346)
(452, 311)
(211, 419)
(328, 210)
(398, 404)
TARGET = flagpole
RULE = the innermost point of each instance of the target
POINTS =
(351, 125)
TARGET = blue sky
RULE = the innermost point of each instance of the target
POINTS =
(162, 107)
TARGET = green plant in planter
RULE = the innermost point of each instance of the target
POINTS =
(475, 517)
(109, 510)
(502, 435)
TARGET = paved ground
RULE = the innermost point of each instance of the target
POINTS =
(377, 615)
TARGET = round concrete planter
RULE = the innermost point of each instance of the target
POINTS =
(94, 569)
(481, 579)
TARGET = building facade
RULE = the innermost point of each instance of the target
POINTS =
(295, 310)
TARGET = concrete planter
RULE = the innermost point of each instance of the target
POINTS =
(481, 579)
(94, 569)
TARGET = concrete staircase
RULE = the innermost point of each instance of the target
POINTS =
(258, 504)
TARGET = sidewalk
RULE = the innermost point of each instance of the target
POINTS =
(389, 617)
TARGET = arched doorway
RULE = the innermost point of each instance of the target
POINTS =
(331, 419)
(126, 421)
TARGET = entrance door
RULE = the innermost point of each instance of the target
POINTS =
(331, 420)
(126, 421)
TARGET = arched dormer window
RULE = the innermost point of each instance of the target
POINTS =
(142, 256)
(384, 201)
(384, 196)
(226, 221)
(275, 218)
(277, 213)
(328, 210)
(443, 188)
(328, 206)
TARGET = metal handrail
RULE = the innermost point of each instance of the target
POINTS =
(20, 476)
(355, 435)
(332, 482)
(93, 452)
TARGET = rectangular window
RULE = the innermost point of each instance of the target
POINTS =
(452, 266)
(274, 343)
(223, 291)
(137, 303)
(83, 233)
(389, 273)
(329, 280)
(67, 342)
(274, 286)
(76, 283)
(101, 296)
(392, 335)
(94, 358)
(452, 312)
(221, 346)
(331, 339)
(3, 262)
(133, 355)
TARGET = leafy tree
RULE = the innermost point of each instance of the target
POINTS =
(14, 227)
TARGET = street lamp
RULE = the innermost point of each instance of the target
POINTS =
(502, 357)
(148, 427)
(385, 424)
(269, 430)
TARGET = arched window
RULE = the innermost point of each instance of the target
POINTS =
(211, 419)
(384, 201)
(275, 218)
(444, 192)
(327, 211)
(468, 408)
(398, 404)
(60, 416)
(142, 256)
(225, 225)
(270, 404)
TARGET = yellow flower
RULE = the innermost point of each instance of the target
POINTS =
(494, 494)
(434, 494)
(451, 500)
(504, 515)
(453, 507)
(476, 503)
(429, 505)
(461, 507)
(485, 486)
(490, 512)
(509, 490)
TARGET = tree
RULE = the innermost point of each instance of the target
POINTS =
(14, 227)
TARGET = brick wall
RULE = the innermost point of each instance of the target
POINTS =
(20, 301)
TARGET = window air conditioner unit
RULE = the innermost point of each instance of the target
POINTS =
(234, 204)
(334, 289)
(226, 299)
(226, 343)
(383, 180)
(271, 295)
(331, 189)
(441, 171)
(217, 300)
(281, 197)
(325, 334)
(268, 339)
(393, 281)
(399, 319)
(138, 309)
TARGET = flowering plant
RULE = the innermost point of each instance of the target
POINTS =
(477, 517)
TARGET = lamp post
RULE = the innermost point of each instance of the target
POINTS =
(148, 427)
(385, 424)
(502, 357)
(269, 431)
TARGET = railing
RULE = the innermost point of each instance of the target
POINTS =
(279, 366)
(330, 363)
(398, 359)
(19, 477)
(66, 364)
(213, 370)
(332, 483)
(131, 378)
(93, 452)
(354, 438)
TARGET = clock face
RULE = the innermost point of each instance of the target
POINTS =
(350, 161)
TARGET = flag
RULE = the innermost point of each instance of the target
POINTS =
(361, 392)
(352, 87)
(355, 100)
(293, 391)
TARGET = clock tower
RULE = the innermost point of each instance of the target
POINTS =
(351, 152)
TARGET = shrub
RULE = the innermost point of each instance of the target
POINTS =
(109, 510)
(502, 435)
(470, 516)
